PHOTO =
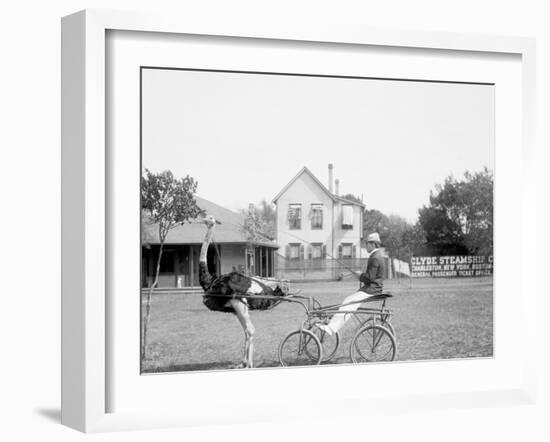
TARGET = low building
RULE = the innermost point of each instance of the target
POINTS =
(318, 231)
(230, 250)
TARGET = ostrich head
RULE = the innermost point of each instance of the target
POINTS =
(210, 221)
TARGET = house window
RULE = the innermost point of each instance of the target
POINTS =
(347, 217)
(316, 216)
(346, 250)
(295, 251)
(317, 251)
(295, 216)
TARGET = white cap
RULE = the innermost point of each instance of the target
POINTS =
(374, 237)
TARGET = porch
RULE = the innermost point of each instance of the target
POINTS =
(179, 266)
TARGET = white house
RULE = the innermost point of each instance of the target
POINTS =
(315, 224)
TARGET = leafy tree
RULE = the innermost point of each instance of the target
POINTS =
(352, 197)
(376, 221)
(147, 230)
(259, 222)
(268, 215)
(395, 236)
(443, 235)
(477, 211)
(414, 241)
(459, 218)
(399, 237)
(167, 202)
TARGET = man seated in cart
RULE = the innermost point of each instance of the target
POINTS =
(372, 280)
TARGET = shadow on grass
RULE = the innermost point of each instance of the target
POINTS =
(222, 365)
(205, 366)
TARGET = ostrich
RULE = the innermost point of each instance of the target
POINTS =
(221, 294)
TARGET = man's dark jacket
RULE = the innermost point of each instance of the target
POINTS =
(373, 277)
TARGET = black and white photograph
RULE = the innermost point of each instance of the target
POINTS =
(275, 221)
(306, 220)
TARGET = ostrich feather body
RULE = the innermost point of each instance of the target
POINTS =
(219, 290)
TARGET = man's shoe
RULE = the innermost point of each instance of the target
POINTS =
(325, 328)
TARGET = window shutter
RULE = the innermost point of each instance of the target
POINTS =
(309, 251)
(301, 251)
(287, 251)
(353, 251)
(340, 251)
(324, 252)
(289, 217)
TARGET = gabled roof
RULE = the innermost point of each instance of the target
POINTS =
(321, 186)
(347, 201)
(228, 231)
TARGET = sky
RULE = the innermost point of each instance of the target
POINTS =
(243, 137)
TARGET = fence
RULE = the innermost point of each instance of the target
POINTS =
(419, 267)
(321, 269)
(401, 268)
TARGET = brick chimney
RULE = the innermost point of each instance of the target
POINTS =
(337, 187)
(330, 177)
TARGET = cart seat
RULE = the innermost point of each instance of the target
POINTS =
(380, 297)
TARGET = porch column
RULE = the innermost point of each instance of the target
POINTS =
(191, 265)
(176, 267)
(262, 256)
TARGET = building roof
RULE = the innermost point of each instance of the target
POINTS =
(333, 196)
(228, 231)
(348, 201)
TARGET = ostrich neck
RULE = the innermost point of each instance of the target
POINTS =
(206, 243)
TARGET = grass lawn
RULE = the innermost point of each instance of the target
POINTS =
(435, 319)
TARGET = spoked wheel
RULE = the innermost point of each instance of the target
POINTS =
(385, 324)
(300, 347)
(373, 343)
(328, 342)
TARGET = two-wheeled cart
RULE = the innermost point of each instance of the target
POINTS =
(374, 339)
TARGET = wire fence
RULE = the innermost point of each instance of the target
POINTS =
(318, 269)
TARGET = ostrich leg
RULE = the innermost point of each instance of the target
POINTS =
(241, 309)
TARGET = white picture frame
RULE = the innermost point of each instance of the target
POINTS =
(85, 202)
